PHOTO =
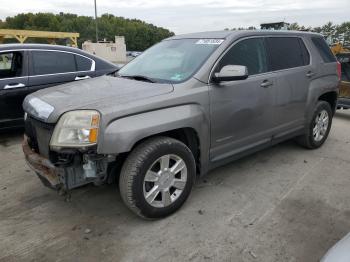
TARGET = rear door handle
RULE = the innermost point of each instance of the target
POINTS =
(310, 74)
(266, 83)
(77, 78)
(16, 85)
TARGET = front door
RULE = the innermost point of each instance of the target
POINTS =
(242, 111)
(13, 87)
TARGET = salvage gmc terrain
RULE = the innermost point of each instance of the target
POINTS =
(183, 107)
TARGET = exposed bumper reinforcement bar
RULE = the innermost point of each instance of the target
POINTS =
(42, 166)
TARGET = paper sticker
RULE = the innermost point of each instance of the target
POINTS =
(209, 41)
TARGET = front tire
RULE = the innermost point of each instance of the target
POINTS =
(318, 128)
(157, 177)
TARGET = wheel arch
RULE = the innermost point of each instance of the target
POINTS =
(324, 88)
(186, 123)
(331, 98)
(187, 135)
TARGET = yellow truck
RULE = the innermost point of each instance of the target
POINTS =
(343, 56)
(344, 89)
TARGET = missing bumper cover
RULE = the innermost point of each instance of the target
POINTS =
(67, 177)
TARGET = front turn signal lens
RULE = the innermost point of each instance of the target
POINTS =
(93, 135)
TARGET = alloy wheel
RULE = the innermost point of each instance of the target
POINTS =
(320, 125)
(165, 180)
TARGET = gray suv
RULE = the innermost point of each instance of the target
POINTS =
(183, 107)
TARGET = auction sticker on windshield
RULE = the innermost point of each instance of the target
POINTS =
(209, 41)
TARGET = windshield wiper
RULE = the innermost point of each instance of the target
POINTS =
(139, 78)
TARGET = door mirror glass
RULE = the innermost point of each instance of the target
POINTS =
(231, 73)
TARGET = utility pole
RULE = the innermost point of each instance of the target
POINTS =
(96, 22)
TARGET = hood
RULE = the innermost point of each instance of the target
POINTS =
(97, 93)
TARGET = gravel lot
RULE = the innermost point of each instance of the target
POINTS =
(282, 204)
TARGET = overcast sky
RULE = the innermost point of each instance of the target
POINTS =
(184, 16)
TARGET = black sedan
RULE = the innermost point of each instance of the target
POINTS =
(26, 68)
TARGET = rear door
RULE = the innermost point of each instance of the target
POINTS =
(52, 67)
(289, 59)
(13, 87)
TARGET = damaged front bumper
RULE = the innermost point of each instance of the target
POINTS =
(85, 169)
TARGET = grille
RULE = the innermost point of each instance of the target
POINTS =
(39, 134)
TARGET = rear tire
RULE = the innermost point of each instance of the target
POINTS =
(318, 128)
(157, 177)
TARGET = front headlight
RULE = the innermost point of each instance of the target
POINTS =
(76, 129)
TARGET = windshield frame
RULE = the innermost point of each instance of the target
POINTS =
(200, 65)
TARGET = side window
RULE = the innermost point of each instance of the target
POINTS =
(83, 64)
(11, 64)
(250, 53)
(304, 53)
(323, 49)
(51, 62)
(286, 52)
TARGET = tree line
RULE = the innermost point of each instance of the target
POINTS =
(333, 32)
(138, 34)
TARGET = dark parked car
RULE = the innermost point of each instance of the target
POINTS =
(27, 68)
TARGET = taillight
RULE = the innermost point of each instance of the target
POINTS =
(339, 69)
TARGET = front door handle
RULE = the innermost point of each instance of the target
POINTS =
(310, 74)
(15, 85)
(266, 83)
(77, 78)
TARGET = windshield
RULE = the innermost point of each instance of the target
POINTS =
(171, 60)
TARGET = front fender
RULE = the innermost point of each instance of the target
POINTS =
(121, 134)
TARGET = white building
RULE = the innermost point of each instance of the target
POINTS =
(113, 52)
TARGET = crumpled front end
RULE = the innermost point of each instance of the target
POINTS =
(60, 170)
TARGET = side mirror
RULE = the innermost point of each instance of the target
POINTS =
(231, 73)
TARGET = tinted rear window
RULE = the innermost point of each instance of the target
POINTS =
(83, 64)
(286, 52)
(51, 62)
(323, 49)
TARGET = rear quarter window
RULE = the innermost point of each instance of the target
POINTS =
(323, 49)
(83, 63)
